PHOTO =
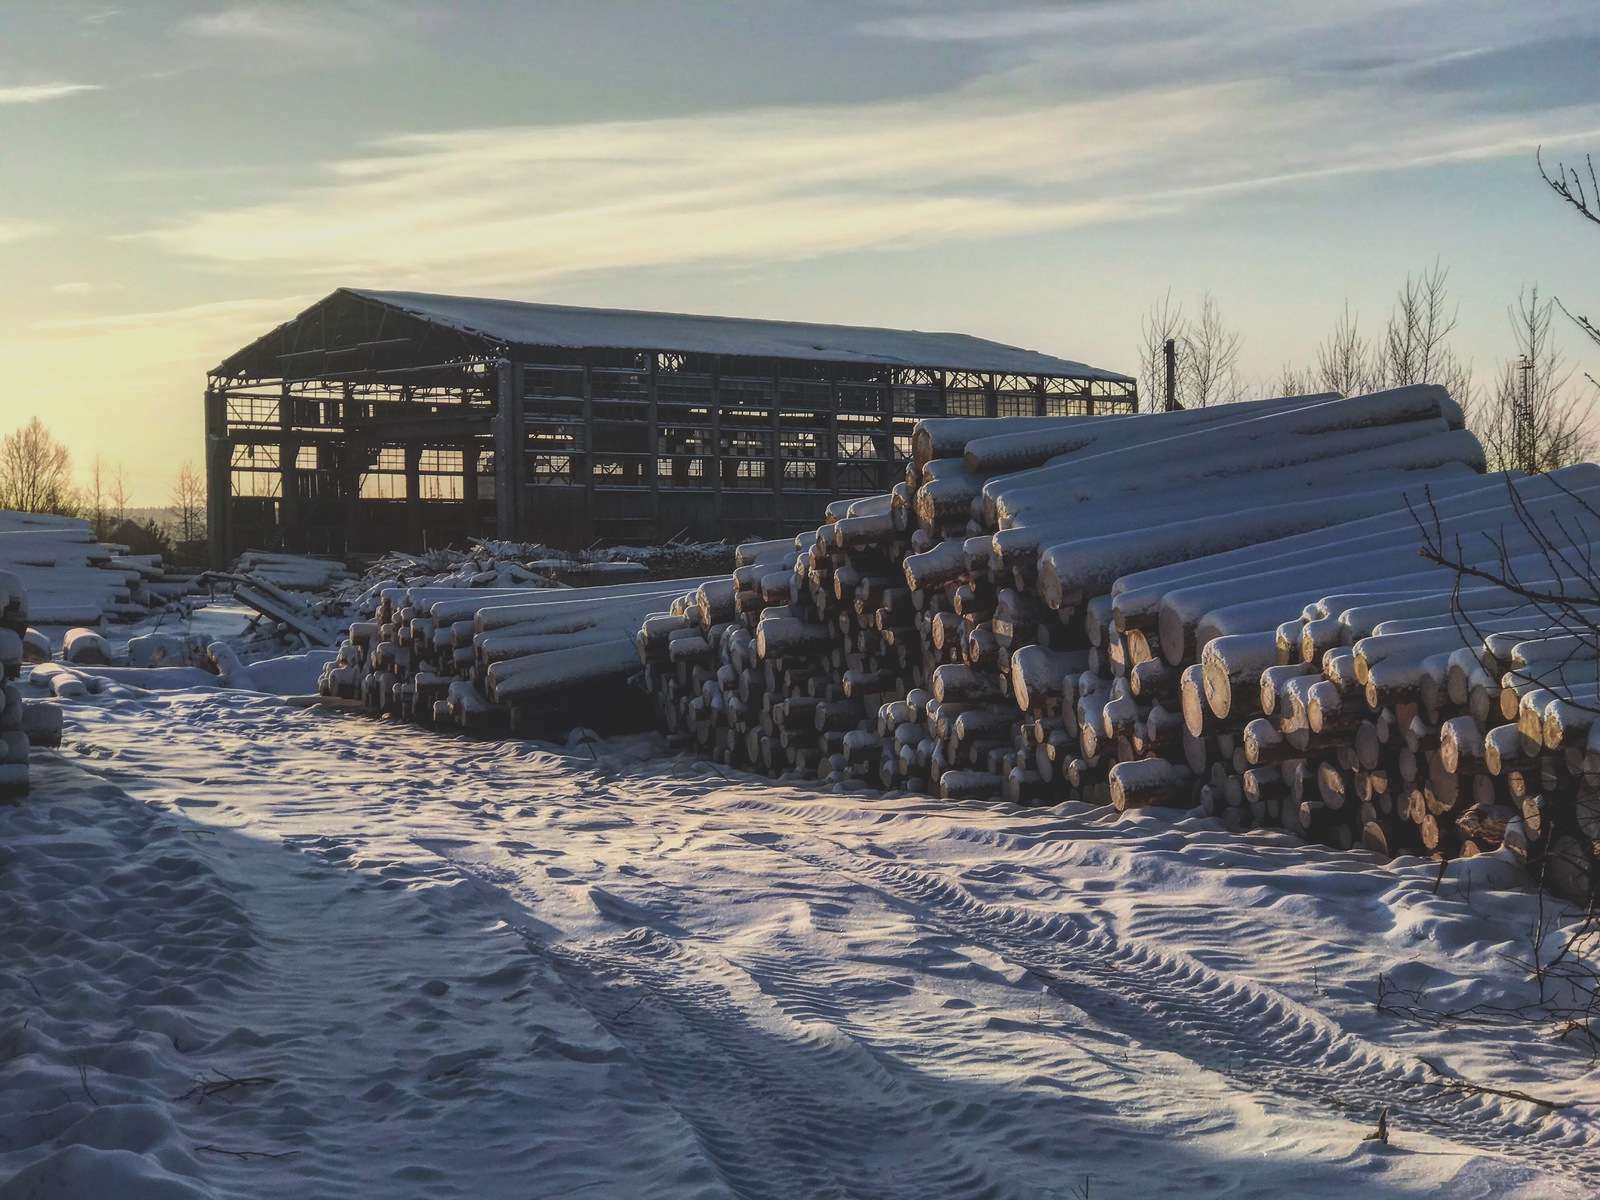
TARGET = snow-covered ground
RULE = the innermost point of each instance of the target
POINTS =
(259, 950)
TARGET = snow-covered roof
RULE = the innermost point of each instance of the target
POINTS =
(519, 322)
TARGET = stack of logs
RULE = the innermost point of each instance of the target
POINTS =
(23, 723)
(1224, 608)
(529, 661)
(74, 579)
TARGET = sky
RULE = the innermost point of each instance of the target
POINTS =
(177, 178)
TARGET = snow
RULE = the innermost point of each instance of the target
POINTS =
(291, 674)
(521, 323)
(455, 968)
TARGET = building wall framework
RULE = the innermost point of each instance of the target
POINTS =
(378, 421)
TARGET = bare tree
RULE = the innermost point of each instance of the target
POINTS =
(1345, 362)
(1456, 377)
(1294, 381)
(118, 494)
(1207, 354)
(1207, 365)
(1536, 381)
(35, 471)
(1163, 323)
(95, 500)
(189, 503)
(1414, 348)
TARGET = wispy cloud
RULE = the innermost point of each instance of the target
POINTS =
(517, 205)
(285, 35)
(83, 287)
(975, 24)
(1092, 112)
(226, 311)
(1117, 45)
(37, 93)
(15, 231)
(260, 23)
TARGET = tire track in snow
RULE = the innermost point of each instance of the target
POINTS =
(780, 1107)
(1243, 1032)
(1246, 1033)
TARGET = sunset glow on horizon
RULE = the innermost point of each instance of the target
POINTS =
(181, 177)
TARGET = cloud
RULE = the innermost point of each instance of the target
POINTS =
(15, 231)
(85, 288)
(288, 35)
(1137, 108)
(527, 203)
(978, 25)
(36, 93)
(1114, 45)
(239, 313)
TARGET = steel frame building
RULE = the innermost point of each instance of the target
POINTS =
(390, 420)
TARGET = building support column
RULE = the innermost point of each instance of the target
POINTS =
(219, 481)
(290, 535)
(469, 490)
(716, 464)
(777, 451)
(588, 444)
(414, 496)
(510, 455)
(350, 492)
(652, 462)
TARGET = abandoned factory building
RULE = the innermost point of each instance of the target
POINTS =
(394, 420)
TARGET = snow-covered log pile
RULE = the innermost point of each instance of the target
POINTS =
(526, 660)
(293, 572)
(1224, 607)
(1351, 695)
(72, 579)
(23, 723)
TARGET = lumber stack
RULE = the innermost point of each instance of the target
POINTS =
(23, 723)
(72, 579)
(1172, 609)
(531, 661)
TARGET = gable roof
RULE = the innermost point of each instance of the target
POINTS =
(522, 323)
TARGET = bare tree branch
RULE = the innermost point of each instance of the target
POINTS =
(1569, 184)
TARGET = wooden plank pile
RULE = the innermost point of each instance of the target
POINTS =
(1224, 607)
(529, 661)
(23, 723)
